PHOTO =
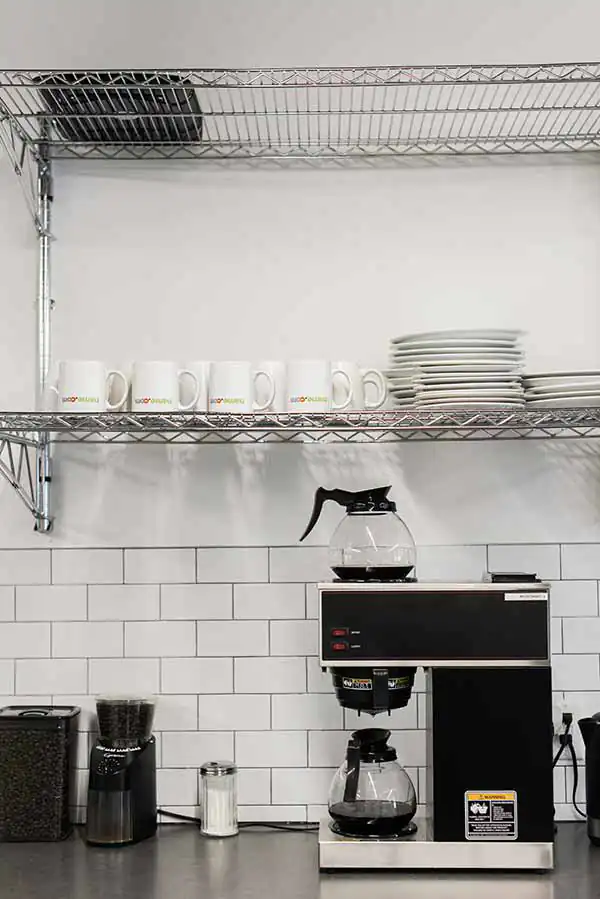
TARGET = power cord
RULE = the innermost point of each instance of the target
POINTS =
(566, 742)
(291, 828)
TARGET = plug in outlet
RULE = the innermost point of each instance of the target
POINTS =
(559, 708)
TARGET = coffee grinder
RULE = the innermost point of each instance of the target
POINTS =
(485, 651)
(121, 805)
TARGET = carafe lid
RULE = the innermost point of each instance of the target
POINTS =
(373, 745)
(356, 502)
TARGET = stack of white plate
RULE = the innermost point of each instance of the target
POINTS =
(477, 369)
(555, 390)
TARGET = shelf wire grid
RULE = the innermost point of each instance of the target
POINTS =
(366, 112)
(355, 427)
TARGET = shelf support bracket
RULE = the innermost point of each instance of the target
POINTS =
(44, 304)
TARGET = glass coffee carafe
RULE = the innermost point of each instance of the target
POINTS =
(371, 794)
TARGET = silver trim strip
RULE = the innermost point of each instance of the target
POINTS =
(422, 586)
(433, 663)
(420, 851)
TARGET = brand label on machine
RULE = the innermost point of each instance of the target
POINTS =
(525, 597)
(491, 816)
(365, 683)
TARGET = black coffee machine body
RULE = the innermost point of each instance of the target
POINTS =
(590, 731)
(122, 787)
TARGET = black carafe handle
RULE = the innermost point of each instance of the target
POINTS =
(352, 770)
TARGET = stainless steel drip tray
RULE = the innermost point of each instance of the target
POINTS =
(419, 851)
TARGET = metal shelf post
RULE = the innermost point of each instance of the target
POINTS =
(45, 197)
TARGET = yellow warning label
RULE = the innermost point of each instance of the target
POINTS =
(489, 797)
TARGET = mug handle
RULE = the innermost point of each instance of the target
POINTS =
(338, 406)
(271, 381)
(374, 376)
(192, 403)
(117, 374)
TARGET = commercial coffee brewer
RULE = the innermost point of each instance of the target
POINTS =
(485, 651)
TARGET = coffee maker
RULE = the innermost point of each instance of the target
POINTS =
(486, 655)
(121, 805)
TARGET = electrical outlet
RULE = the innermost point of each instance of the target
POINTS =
(559, 707)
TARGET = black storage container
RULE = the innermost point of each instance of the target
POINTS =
(37, 769)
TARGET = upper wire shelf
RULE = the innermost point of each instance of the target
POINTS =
(306, 113)
(353, 427)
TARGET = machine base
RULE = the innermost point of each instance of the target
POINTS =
(419, 851)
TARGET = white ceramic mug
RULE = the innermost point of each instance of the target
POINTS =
(156, 387)
(232, 388)
(359, 377)
(278, 372)
(202, 372)
(84, 385)
(310, 386)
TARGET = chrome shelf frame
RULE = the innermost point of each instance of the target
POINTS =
(286, 116)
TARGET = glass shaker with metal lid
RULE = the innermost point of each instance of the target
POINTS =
(371, 542)
(219, 799)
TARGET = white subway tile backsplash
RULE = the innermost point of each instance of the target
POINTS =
(312, 601)
(24, 566)
(51, 676)
(87, 566)
(176, 713)
(269, 601)
(559, 784)
(234, 711)
(271, 749)
(160, 566)
(197, 675)
(177, 786)
(190, 750)
(289, 638)
(580, 561)
(124, 675)
(299, 564)
(540, 559)
(296, 785)
(160, 638)
(319, 681)
(569, 599)
(7, 603)
(421, 699)
(232, 565)
(7, 676)
(98, 639)
(575, 672)
(399, 719)
(123, 602)
(451, 563)
(270, 675)
(556, 635)
(410, 745)
(87, 705)
(316, 813)
(580, 635)
(24, 641)
(196, 601)
(233, 638)
(254, 788)
(275, 813)
(306, 711)
(45, 603)
(327, 748)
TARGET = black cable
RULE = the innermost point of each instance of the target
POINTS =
(575, 777)
(292, 828)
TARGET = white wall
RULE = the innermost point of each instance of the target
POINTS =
(188, 262)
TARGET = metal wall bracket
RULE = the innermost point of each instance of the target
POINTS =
(23, 465)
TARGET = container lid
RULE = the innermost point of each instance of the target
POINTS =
(217, 769)
(39, 711)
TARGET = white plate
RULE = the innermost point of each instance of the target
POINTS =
(566, 402)
(467, 352)
(450, 343)
(448, 364)
(458, 333)
(465, 404)
(540, 393)
(562, 375)
(470, 394)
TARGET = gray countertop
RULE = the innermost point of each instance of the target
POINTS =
(180, 864)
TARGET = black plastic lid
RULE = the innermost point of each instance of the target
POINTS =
(373, 743)
(21, 712)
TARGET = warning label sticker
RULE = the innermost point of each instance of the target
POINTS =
(491, 816)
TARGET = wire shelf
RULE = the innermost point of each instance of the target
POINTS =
(354, 427)
(342, 113)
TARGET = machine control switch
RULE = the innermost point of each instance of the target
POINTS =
(340, 646)
(339, 632)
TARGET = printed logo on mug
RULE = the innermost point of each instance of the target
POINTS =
(84, 386)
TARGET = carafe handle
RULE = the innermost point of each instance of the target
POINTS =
(352, 770)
